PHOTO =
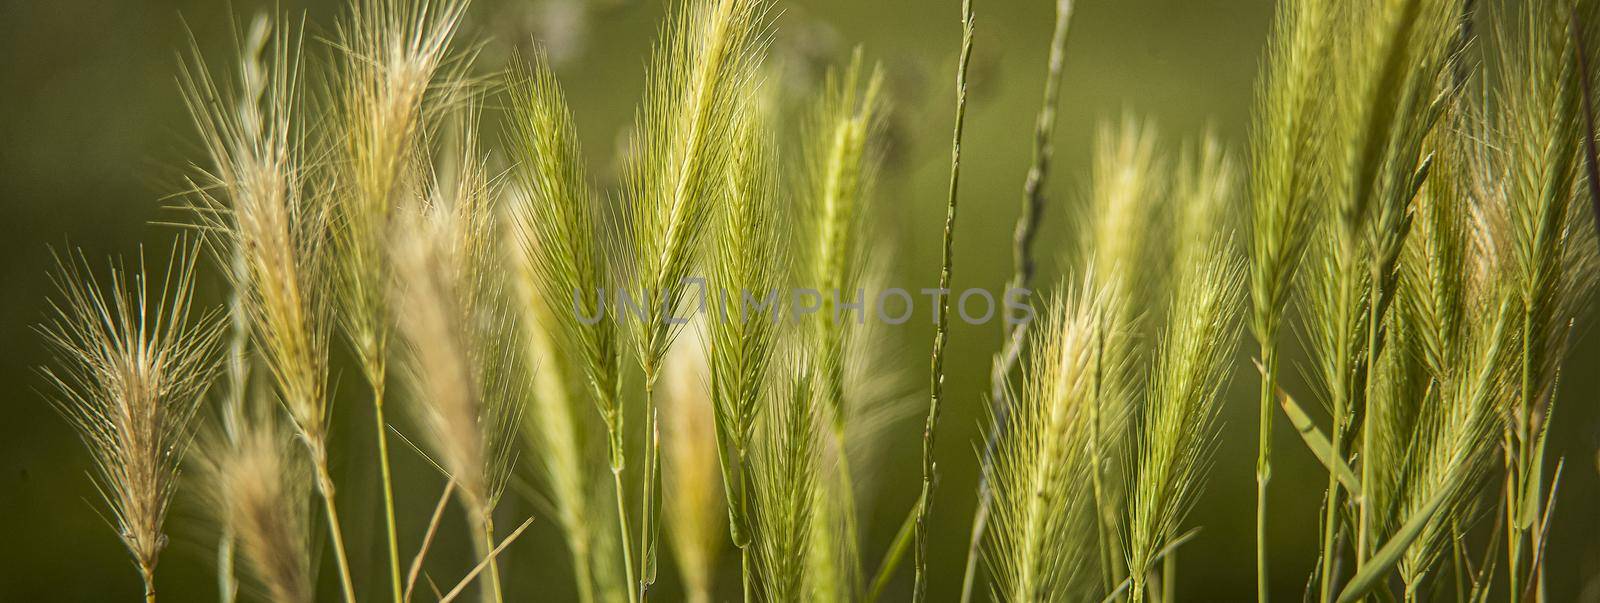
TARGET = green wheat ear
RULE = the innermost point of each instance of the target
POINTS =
(785, 486)
(1041, 540)
(556, 225)
(749, 263)
(1176, 427)
(842, 156)
(1546, 244)
(1283, 173)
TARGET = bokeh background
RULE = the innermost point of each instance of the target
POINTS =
(93, 137)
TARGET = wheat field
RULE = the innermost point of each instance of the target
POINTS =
(408, 320)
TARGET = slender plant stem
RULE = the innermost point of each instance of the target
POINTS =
(335, 530)
(744, 573)
(847, 511)
(651, 505)
(382, 428)
(941, 330)
(427, 539)
(1269, 385)
(1513, 551)
(227, 580)
(1330, 519)
(891, 559)
(147, 573)
(1024, 265)
(1342, 400)
(622, 529)
(1169, 578)
(494, 562)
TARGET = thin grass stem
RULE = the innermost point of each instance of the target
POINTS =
(386, 476)
(335, 529)
(941, 330)
(622, 531)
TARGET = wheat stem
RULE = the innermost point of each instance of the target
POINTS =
(147, 573)
(941, 330)
(650, 512)
(335, 530)
(1269, 384)
(487, 526)
(382, 428)
(622, 529)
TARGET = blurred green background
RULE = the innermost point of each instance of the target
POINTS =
(93, 136)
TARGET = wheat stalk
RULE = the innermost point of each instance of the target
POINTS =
(941, 329)
(555, 223)
(747, 268)
(1044, 524)
(1283, 174)
(702, 78)
(785, 487)
(1535, 172)
(1176, 428)
(842, 160)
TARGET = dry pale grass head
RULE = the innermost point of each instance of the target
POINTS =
(257, 484)
(252, 193)
(132, 365)
(466, 367)
(394, 58)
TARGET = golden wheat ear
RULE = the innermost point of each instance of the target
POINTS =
(132, 362)
(257, 481)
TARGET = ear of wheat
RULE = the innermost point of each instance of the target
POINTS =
(1283, 172)
(1176, 428)
(133, 365)
(703, 76)
(1547, 247)
(257, 486)
(1043, 534)
(467, 365)
(746, 270)
(842, 156)
(253, 194)
(559, 256)
(785, 488)
(391, 52)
